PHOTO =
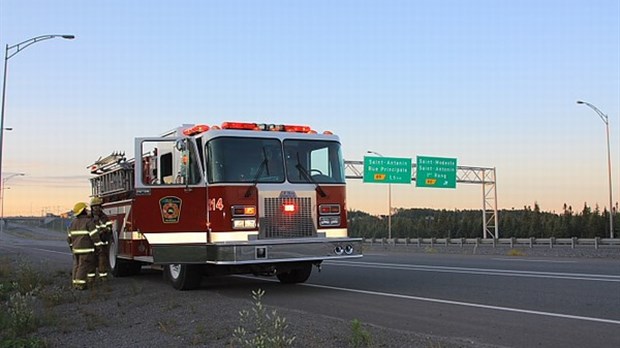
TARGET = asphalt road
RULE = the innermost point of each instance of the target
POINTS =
(495, 300)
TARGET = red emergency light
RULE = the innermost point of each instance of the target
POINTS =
(289, 207)
(240, 125)
(297, 129)
(197, 129)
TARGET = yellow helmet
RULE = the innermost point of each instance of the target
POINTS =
(96, 201)
(78, 208)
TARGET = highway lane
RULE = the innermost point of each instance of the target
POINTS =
(41, 245)
(505, 301)
(591, 287)
(515, 302)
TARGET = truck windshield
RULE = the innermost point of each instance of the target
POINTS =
(251, 160)
(261, 160)
(322, 160)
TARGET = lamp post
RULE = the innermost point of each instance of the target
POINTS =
(389, 201)
(15, 49)
(4, 180)
(605, 119)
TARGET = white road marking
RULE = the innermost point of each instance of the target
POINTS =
(449, 302)
(479, 271)
(530, 260)
(39, 249)
(467, 304)
(53, 251)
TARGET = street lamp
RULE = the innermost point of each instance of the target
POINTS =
(4, 180)
(389, 201)
(18, 48)
(605, 119)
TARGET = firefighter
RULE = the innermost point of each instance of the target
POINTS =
(83, 238)
(104, 226)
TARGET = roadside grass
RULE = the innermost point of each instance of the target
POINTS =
(430, 250)
(168, 327)
(199, 336)
(360, 337)
(21, 287)
(515, 252)
(260, 328)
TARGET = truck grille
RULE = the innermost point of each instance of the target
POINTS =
(277, 224)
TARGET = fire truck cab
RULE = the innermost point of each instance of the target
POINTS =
(230, 199)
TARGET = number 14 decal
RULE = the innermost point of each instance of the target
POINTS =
(213, 205)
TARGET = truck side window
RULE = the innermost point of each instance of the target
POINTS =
(165, 164)
(165, 170)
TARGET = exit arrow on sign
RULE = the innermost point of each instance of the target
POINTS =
(439, 172)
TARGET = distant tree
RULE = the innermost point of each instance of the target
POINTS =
(528, 222)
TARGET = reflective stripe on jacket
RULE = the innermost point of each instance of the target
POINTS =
(104, 226)
(83, 235)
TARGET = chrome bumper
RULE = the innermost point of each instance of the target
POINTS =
(261, 251)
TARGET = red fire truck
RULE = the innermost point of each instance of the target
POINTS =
(239, 198)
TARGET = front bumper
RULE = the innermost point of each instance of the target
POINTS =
(260, 251)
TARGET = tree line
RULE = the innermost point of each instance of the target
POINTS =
(521, 223)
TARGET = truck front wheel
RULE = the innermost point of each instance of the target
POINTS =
(183, 276)
(298, 274)
(118, 266)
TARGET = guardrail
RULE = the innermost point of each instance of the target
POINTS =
(498, 242)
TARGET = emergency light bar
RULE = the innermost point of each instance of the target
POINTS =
(197, 129)
(266, 127)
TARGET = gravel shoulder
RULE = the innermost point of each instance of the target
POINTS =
(144, 311)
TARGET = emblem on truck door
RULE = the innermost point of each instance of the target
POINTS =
(170, 209)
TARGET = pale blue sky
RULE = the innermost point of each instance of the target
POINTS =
(492, 83)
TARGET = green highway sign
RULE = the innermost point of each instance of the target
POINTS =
(387, 170)
(436, 172)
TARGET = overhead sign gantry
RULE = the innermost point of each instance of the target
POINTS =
(463, 174)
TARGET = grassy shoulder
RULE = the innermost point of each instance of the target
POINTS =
(28, 295)
(40, 309)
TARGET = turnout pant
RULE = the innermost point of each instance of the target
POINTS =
(103, 261)
(85, 269)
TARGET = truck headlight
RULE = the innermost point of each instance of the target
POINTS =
(244, 224)
(327, 221)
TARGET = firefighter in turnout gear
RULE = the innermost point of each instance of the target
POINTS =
(104, 226)
(83, 238)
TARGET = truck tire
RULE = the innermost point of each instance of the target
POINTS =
(183, 276)
(118, 266)
(296, 275)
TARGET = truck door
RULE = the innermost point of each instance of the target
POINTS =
(170, 202)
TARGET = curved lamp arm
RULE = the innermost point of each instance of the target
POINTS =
(603, 117)
(22, 45)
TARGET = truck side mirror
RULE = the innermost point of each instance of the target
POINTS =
(181, 144)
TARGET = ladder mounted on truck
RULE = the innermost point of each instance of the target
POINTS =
(114, 175)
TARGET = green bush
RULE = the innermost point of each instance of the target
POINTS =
(21, 318)
(359, 336)
(20, 287)
(260, 328)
